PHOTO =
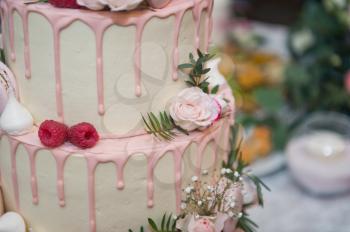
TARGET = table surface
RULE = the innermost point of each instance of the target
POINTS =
(290, 209)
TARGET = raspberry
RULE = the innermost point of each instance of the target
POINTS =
(83, 135)
(65, 3)
(52, 134)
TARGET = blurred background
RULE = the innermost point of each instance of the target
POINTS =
(288, 63)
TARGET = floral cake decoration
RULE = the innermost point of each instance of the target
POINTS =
(113, 5)
(194, 108)
(219, 206)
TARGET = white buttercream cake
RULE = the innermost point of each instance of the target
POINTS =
(108, 69)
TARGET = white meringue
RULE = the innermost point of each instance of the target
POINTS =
(12, 222)
(91, 4)
(121, 5)
(114, 5)
(7, 84)
(15, 119)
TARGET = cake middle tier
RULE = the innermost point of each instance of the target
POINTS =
(101, 67)
(112, 187)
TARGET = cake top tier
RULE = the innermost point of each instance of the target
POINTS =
(102, 67)
(121, 17)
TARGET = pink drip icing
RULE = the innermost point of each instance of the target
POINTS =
(150, 181)
(61, 18)
(197, 13)
(92, 164)
(3, 15)
(60, 158)
(32, 151)
(137, 56)
(24, 16)
(209, 23)
(99, 69)
(13, 146)
(178, 21)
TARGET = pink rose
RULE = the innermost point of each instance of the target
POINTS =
(201, 225)
(193, 109)
(347, 81)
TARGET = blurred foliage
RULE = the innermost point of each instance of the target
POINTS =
(320, 47)
(256, 79)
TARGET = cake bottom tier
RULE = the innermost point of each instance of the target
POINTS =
(113, 187)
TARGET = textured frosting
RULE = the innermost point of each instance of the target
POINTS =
(101, 67)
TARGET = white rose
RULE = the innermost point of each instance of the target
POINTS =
(193, 109)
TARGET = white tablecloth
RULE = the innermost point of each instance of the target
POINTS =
(290, 209)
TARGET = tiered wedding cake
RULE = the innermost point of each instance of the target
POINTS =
(108, 69)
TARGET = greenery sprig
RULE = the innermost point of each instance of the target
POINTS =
(162, 126)
(168, 224)
(236, 163)
(246, 224)
(197, 71)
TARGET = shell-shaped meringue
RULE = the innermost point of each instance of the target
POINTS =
(91, 4)
(158, 4)
(12, 222)
(121, 5)
(15, 119)
(7, 84)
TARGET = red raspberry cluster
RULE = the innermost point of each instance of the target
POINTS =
(53, 134)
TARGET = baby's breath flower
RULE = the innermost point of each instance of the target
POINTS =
(200, 203)
(210, 188)
(194, 178)
(188, 189)
(236, 174)
(240, 215)
(231, 214)
(232, 204)
(205, 172)
(223, 171)
(183, 205)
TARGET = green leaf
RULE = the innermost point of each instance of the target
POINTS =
(153, 225)
(185, 66)
(192, 58)
(163, 222)
(190, 83)
(168, 222)
(215, 89)
(205, 71)
(197, 70)
(162, 127)
(200, 54)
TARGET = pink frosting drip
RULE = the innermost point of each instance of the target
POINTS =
(99, 22)
(117, 151)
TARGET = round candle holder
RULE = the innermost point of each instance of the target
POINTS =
(318, 154)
